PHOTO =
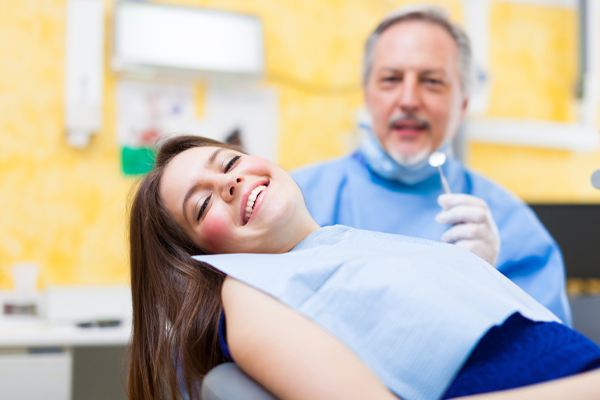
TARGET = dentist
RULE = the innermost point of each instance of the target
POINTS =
(416, 70)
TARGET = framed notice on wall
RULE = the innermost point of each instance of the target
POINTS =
(147, 111)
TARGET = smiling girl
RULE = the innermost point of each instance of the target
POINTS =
(228, 202)
(321, 313)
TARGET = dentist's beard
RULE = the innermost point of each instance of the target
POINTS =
(410, 160)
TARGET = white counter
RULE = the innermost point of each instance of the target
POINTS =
(40, 349)
(44, 334)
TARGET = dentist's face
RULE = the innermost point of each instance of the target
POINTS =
(413, 91)
(229, 202)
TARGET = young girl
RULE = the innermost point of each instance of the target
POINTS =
(321, 313)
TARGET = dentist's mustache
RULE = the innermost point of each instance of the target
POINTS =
(408, 118)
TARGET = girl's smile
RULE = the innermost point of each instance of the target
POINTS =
(251, 200)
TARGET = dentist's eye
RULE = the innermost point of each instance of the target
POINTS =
(203, 208)
(231, 163)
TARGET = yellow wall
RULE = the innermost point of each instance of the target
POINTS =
(60, 207)
(66, 208)
(533, 62)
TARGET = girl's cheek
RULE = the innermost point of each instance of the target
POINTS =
(258, 164)
(213, 233)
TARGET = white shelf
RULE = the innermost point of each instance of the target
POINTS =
(533, 133)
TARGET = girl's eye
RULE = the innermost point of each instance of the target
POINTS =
(231, 163)
(203, 208)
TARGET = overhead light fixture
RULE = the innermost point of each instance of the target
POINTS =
(160, 37)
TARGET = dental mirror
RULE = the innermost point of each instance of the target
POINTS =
(437, 159)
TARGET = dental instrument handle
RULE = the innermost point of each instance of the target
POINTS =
(444, 181)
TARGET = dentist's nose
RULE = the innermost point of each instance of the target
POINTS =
(409, 94)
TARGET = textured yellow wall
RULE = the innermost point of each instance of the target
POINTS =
(533, 62)
(60, 207)
(66, 208)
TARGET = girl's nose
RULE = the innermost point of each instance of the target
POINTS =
(231, 187)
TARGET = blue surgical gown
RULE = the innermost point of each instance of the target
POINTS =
(346, 192)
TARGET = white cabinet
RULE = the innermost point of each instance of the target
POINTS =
(29, 375)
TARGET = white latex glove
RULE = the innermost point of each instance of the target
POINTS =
(473, 226)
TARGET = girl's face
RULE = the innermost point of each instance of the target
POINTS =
(229, 202)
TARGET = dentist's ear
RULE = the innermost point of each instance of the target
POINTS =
(465, 106)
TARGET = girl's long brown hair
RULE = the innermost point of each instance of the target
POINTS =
(176, 300)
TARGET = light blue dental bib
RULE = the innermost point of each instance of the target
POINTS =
(411, 309)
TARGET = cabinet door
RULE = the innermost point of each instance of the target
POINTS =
(35, 374)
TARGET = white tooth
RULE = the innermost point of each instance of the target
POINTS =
(252, 198)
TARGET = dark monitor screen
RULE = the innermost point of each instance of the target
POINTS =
(576, 229)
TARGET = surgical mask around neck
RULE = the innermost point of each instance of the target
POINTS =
(381, 163)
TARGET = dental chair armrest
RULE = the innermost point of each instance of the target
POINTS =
(228, 382)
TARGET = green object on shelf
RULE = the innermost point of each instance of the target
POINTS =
(137, 161)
